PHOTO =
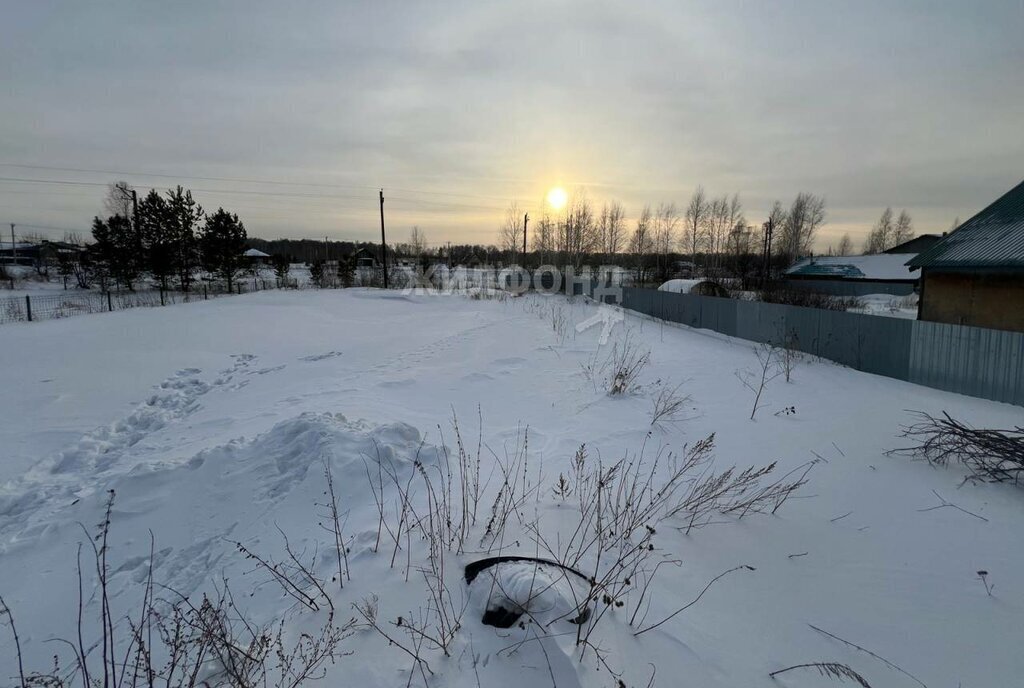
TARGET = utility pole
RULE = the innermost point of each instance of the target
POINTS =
(326, 254)
(526, 218)
(383, 241)
(766, 263)
(135, 223)
(14, 248)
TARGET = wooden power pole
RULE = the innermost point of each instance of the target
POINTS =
(14, 247)
(383, 241)
(135, 224)
(526, 218)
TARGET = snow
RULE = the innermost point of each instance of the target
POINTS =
(213, 422)
(255, 253)
(882, 266)
(888, 305)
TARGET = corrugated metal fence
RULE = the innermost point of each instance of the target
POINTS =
(969, 360)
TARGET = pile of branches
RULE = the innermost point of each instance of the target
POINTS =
(990, 454)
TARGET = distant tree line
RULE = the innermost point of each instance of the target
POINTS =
(710, 233)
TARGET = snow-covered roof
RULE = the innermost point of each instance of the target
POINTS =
(680, 286)
(255, 253)
(883, 266)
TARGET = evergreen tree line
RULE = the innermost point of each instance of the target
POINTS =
(168, 237)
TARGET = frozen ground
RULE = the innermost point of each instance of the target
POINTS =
(213, 422)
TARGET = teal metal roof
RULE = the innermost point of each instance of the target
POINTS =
(994, 238)
(826, 270)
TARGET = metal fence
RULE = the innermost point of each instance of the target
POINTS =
(968, 360)
(63, 304)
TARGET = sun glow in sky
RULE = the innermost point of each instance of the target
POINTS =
(427, 118)
(557, 198)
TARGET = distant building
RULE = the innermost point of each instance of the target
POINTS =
(915, 245)
(883, 273)
(683, 269)
(20, 253)
(975, 274)
(39, 254)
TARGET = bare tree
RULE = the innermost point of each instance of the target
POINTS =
(741, 249)
(578, 234)
(693, 230)
(805, 216)
(510, 233)
(544, 236)
(417, 242)
(904, 229)
(845, 246)
(880, 236)
(640, 243)
(612, 227)
(666, 224)
(118, 200)
(713, 219)
(726, 214)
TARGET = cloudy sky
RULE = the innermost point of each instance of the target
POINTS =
(459, 108)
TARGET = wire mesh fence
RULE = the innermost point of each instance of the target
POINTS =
(30, 308)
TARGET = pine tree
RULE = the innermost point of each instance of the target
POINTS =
(282, 266)
(158, 240)
(117, 249)
(347, 270)
(184, 216)
(316, 273)
(222, 242)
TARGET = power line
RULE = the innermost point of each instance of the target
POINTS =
(279, 194)
(244, 180)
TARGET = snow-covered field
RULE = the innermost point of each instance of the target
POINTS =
(213, 422)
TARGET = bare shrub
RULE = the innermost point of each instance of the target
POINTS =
(175, 641)
(515, 490)
(621, 505)
(369, 610)
(808, 299)
(767, 358)
(333, 519)
(788, 353)
(669, 404)
(989, 454)
(559, 322)
(625, 364)
(295, 577)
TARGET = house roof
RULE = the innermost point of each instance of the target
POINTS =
(992, 238)
(915, 245)
(882, 266)
(255, 253)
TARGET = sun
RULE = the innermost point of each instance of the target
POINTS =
(557, 198)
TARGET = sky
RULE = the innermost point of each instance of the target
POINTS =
(293, 114)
